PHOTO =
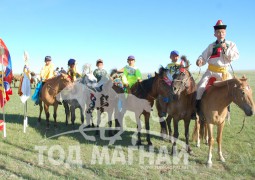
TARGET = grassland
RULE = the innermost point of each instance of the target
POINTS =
(19, 158)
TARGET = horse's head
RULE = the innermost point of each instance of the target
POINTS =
(242, 96)
(181, 81)
(64, 81)
(162, 82)
(90, 80)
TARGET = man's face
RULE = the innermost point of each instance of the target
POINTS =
(220, 34)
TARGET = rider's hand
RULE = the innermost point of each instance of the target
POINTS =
(199, 62)
(125, 85)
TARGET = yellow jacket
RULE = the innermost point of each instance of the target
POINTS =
(47, 72)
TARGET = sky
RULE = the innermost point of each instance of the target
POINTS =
(87, 30)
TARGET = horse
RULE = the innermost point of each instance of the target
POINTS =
(181, 105)
(48, 94)
(213, 108)
(34, 79)
(150, 89)
(72, 96)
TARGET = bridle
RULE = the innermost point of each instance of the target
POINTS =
(183, 82)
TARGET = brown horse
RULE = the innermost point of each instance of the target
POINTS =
(48, 95)
(182, 106)
(150, 89)
(214, 105)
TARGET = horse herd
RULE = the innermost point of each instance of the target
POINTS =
(176, 100)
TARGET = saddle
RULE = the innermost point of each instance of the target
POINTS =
(210, 83)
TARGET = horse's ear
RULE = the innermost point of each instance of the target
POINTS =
(243, 78)
(156, 74)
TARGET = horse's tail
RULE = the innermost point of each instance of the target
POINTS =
(202, 128)
(199, 128)
(195, 131)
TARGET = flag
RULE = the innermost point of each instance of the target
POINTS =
(5, 86)
(25, 86)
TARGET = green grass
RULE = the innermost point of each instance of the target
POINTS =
(19, 158)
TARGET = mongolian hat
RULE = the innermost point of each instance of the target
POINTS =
(219, 25)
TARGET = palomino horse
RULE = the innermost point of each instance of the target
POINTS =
(150, 89)
(48, 95)
(182, 106)
(214, 105)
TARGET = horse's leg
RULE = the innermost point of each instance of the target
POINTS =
(161, 114)
(110, 122)
(82, 114)
(206, 133)
(186, 126)
(40, 112)
(67, 111)
(139, 128)
(55, 114)
(98, 121)
(147, 127)
(176, 135)
(168, 121)
(72, 109)
(197, 124)
(211, 141)
(47, 114)
(219, 140)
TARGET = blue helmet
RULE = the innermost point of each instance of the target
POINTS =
(71, 61)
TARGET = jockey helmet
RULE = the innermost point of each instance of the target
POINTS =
(71, 62)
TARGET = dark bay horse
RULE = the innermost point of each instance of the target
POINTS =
(48, 95)
(150, 89)
(214, 105)
(182, 106)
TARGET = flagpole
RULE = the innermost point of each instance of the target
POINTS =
(2, 53)
(25, 121)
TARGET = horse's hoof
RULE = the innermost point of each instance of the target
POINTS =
(222, 159)
(38, 124)
(190, 152)
(209, 165)
(138, 143)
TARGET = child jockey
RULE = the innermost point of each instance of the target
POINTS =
(218, 55)
(99, 72)
(46, 73)
(131, 74)
(72, 73)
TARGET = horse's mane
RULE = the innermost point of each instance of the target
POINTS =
(113, 71)
(193, 83)
(141, 89)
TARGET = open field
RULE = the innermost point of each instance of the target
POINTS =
(19, 154)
